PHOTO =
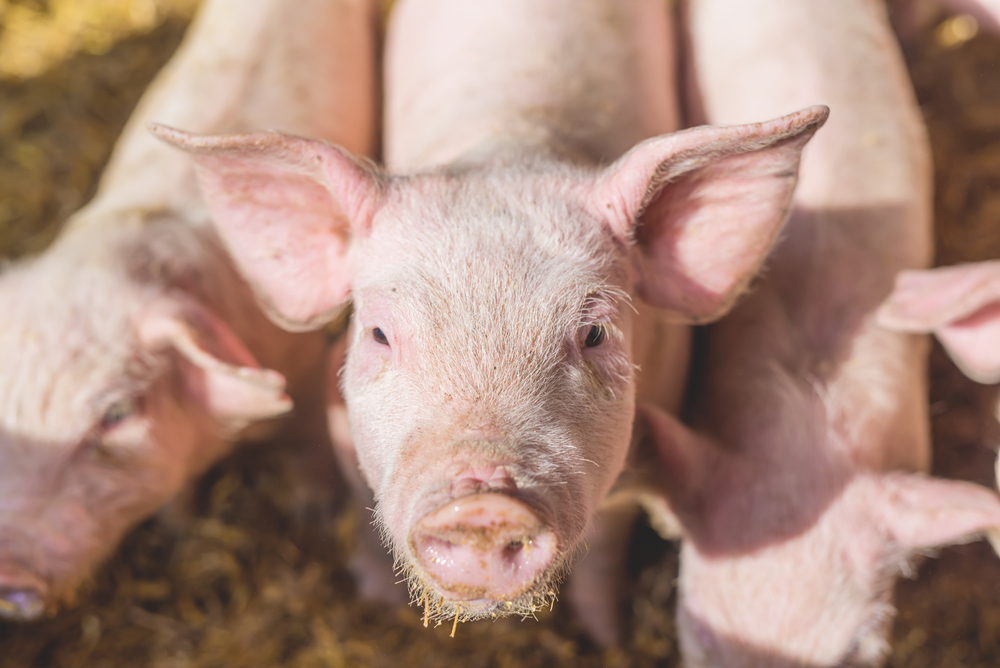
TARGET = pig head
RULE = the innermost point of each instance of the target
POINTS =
(489, 380)
(118, 385)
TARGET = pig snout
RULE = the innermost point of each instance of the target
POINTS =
(22, 596)
(483, 546)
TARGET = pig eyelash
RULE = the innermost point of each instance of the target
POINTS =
(380, 336)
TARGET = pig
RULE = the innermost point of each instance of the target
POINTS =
(504, 270)
(134, 355)
(799, 484)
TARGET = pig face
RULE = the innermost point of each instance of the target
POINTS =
(489, 379)
(110, 389)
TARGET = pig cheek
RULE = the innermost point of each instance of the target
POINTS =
(368, 389)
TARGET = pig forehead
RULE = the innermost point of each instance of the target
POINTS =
(525, 230)
(65, 341)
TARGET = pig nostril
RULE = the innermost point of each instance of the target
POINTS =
(21, 604)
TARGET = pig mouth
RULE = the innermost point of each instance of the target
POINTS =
(483, 555)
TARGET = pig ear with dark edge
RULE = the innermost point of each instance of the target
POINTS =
(705, 206)
(219, 373)
(960, 305)
(286, 209)
(922, 513)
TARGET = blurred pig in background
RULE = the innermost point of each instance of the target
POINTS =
(491, 371)
(800, 492)
(132, 355)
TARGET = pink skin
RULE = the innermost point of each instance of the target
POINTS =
(491, 361)
(135, 355)
(960, 305)
(799, 491)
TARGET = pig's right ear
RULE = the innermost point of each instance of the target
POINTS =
(286, 209)
(960, 305)
(705, 206)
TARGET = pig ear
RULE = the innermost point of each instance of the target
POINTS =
(921, 513)
(668, 464)
(286, 209)
(705, 206)
(960, 305)
(218, 371)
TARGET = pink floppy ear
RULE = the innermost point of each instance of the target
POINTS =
(669, 463)
(921, 512)
(960, 305)
(286, 209)
(219, 372)
(705, 206)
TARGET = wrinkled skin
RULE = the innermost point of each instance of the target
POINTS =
(490, 374)
(800, 492)
(133, 353)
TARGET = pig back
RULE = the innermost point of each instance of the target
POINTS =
(304, 67)
(583, 80)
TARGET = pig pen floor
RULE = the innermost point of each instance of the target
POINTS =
(252, 580)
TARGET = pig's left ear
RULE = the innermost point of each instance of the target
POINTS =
(960, 305)
(286, 208)
(921, 513)
(705, 206)
(219, 373)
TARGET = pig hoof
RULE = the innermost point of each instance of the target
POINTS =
(21, 604)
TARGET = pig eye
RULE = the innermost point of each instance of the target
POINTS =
(379, 336)
(595, 336)
(117, 413)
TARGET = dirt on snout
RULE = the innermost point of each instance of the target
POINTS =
(256, 580)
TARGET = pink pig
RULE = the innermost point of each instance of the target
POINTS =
(133, 353)
(492, 364)
(799, 491)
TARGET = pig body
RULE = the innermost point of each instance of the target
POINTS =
(490, 373)
(799, 492)
(133, 353)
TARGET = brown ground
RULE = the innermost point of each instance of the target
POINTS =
(250, 582)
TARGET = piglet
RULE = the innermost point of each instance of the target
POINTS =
(492, 364)
(132, 355)
(800, 490)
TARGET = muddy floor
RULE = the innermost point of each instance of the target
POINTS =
(253, 580)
